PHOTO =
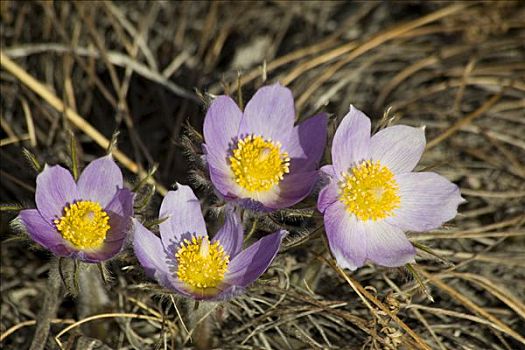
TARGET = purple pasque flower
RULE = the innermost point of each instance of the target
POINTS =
(258, 158)
(373, 196)
(183, 259)
(87, 220)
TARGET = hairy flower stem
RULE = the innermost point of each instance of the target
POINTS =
(200, 322)
(52, 299)
(202, 335)
(92, 299)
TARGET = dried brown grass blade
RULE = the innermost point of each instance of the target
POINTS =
(464, 121)
(374, 42)
(469, 304)
(361, 290)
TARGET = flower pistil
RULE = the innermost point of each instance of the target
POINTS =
(84, 224)
(369, 191)
(258, 164)
(201, 264)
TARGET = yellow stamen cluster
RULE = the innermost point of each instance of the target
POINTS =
(259, 164)
(369, 191)
(84, 224)
(201, 264)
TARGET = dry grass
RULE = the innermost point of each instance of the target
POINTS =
(147, 68)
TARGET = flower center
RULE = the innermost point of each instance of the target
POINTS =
(201, 264)
(369, 191)
(84, 224)
(259, 164)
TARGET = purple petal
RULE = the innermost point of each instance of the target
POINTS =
(230, 236)
(55, 188)
(346, 236)
(351, 140)
(221, 125)
(253, 261)
(329, 171)
(100, 180)
(306, 144)
(291, 190)
(108, 250)
(120, 211)
(270, 113)
(149, 250)
(222, 178)
(295, 187)
(387, 245)
(398, 147)
(327, 196)
(184, 217)
(121, 203)
(43, 233)
(157, 263)
(427, 201)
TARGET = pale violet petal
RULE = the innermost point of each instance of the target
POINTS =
(398, 147)
(230, 236)
(351, 141)
(306, 144)
(291, 190)
(221, 126)
(252, 262)
(154, 258)
(328, 195)
(44, 233)
(346, 236)
(427, 201)
(55, 189)
(270, 113)
(387, 245)
(183, 217)
(100, 180)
